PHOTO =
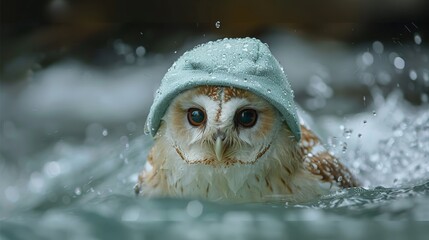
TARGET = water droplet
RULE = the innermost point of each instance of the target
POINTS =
(129, 58)
(360, 135)
(194, 208)
(123, 139)
(399, 63)
(146, 130)
(105, 132)
(417, 39)
(347, 132)
(12, 194)
(344, 147)
(384, 78)
(269, 90)
(131, 214)
(364, 121)
(378, 47)
(77, 191)
(426, 76)
(374, 113)
(217, 24)
(368, 78)
(36, 183)
(424, 97)
(413, 75)
(140, 51)
(367, 58)
(52, 169)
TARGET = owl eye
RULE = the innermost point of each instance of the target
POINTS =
(246, 118)
(196, 116)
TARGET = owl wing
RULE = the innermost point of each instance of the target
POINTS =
(144, 174)
(320, 162)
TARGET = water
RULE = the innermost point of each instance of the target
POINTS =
(71, 151)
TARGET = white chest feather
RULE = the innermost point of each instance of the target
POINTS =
(268, 179)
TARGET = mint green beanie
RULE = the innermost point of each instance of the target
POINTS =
(244, 63)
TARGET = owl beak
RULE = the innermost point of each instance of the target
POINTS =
(219, 136)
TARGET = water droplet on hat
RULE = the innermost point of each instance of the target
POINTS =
(146, 128)
(269, 90)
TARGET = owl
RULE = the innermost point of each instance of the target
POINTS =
(225, 143)
(225, 128)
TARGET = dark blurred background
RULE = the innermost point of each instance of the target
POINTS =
(51, 29)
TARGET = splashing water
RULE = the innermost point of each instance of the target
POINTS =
(390, 147)
(83, 189)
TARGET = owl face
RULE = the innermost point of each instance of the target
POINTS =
(220, 126)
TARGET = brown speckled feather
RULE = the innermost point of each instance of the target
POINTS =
(322, 163)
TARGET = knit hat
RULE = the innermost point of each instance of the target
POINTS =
(244, 63)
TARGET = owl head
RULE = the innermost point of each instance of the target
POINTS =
(221, 126)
